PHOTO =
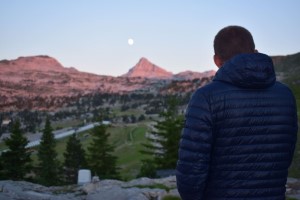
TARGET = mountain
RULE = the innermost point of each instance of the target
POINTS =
(190, 75)
(288, 68)
(30, 81)
(41, 82)
(44, 76)
(145, 69)
(32, 63)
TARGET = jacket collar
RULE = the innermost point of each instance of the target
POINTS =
(254, 70)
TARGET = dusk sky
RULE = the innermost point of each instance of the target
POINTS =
(177, 35)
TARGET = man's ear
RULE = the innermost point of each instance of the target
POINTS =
(218, 61)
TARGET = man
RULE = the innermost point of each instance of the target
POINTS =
(240, 130)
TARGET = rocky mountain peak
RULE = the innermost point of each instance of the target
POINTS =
(44, 77)
(40, 63)
(145, 68)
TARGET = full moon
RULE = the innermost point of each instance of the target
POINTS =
(130, 41)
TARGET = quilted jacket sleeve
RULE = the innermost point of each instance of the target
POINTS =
(195, 149)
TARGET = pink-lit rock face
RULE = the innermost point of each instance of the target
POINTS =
(31, 63)
(31, 80)
(144, 68)
(44, 76)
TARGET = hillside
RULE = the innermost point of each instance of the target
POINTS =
(190, 75)
(42, 83)
(287, 69)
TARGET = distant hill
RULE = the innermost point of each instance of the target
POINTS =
(32, 63)
(190, 75)
(45, 76)
(287, 69)
(41, 82)
(31, 81)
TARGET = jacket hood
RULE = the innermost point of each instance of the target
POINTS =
(254, 70)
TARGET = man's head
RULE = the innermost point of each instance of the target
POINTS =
(230, 41)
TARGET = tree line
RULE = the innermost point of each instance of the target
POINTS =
(95, 104)
(16, 162)
(161, 150)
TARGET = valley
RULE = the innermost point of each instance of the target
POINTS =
(35, 87)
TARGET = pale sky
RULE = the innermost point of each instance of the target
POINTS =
(92, 35)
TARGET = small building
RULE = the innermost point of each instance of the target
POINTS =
(105, 122)
(84, 176)
(5, 122)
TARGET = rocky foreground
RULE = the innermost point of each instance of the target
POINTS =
(138, 189)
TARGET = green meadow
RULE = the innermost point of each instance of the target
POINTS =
(127, 140)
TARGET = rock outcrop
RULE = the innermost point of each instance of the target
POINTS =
(42, 83)
(145, 69)
(32, 63)
(138, 189)
(190, 75)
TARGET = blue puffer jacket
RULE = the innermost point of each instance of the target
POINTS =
(239, 135)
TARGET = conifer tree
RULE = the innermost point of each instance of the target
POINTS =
(164, 140)
(148, 169)
(100, 158)
(74, 159)
(16, 161)
(2, 176)
(48, 165)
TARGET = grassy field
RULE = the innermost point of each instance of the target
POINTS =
(127, 140)
(65, 124)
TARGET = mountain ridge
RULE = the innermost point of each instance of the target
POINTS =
(41, 82)
(39, 62)
(144, 68)
(26, 82)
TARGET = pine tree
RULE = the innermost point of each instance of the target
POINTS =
(148, 169)
(16, 162)
(2, 176)
(48, 166)
(100, 158)
(74, 159)
(164, 140)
